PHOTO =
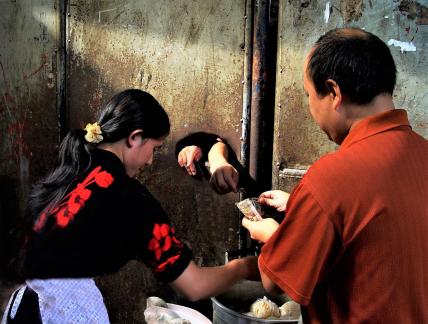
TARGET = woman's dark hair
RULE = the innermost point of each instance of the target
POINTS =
(125, 112)
(360, 63)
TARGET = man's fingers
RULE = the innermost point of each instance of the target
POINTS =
(246, 223)
(191, 169)
(267, 194)
(267, 201)
(193, 153)
(219, 183)
(198, 153)
(232, 181)
(187, 158)
(180, 160)
(249, 225)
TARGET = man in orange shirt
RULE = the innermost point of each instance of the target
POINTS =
(353, 247)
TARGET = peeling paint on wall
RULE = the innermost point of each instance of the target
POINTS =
(404, 46)
(327, 11)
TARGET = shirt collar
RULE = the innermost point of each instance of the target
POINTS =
(107, 159)
(376, 124)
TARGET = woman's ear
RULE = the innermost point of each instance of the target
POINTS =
(134, 138)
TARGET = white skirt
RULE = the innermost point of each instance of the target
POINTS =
(67, 301)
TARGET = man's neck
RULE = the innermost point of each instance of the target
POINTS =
(379, 104)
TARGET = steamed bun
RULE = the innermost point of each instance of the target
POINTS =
(290, 310)
(155, 301)
(264, 308)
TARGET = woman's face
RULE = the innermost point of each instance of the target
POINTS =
(140, 153)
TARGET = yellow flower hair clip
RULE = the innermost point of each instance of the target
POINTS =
(93, 133)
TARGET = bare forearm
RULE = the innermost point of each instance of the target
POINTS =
(218, 153)
(202, 282)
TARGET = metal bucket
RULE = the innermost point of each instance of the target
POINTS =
(228, 308)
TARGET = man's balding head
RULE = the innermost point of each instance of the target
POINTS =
(360, 63)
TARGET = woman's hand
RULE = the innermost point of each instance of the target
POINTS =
(249, 265)
(260, 230)
(187, 158)
(197, 283)
(274, 198)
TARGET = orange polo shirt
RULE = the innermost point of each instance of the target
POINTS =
(353, 246)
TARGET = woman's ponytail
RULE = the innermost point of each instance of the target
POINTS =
(73, 159)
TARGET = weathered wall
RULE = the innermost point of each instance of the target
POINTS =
(188, 55)
(299, 142)
(28, 124)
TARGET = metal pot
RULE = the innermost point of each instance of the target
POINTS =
(228, 308)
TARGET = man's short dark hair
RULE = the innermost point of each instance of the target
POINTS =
(360, 63)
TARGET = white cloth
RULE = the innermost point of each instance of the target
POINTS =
(67, 301)
(13, 307)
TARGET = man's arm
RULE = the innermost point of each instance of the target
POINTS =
(269, 285)
(224, 177)
(218, 149)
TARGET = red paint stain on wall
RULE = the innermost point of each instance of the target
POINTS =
(44, 63)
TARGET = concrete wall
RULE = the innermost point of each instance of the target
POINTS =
(298, 141)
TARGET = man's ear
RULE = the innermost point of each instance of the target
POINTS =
(134, 138)
(334, 92)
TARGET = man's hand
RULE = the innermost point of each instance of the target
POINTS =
(260, 230)
(187, 158)
(224, 178)
(274, 198)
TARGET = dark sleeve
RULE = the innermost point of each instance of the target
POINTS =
(153, 238)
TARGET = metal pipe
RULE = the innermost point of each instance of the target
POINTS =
(64, 11)
(246, 96)
(258, 158)
(246, 106)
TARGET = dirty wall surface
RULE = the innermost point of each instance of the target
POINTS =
(188, 55)
(402, 24)
(28, 123)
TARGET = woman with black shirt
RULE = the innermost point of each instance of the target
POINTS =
(91, 217)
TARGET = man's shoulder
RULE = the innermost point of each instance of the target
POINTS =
(334, 171)
(329, 164)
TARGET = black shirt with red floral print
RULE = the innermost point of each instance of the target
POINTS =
(105, 220)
